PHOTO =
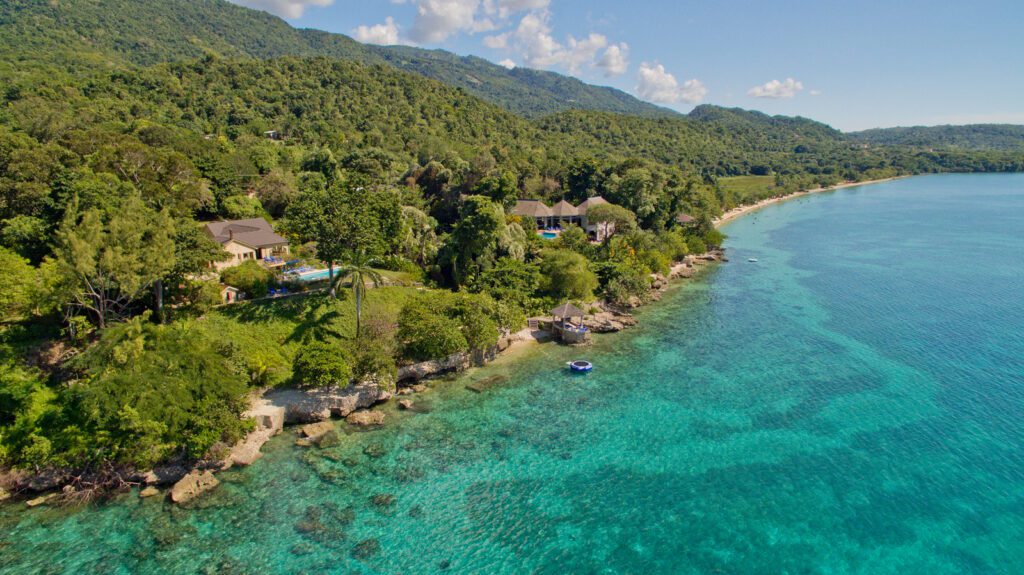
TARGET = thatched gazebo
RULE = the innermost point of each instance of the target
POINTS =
(562, 323)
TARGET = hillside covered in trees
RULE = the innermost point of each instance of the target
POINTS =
(1006, 137)
(146, 32)
(124, 126)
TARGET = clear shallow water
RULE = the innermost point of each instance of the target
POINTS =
(852, 403)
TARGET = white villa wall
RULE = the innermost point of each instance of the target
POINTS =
(239, 253)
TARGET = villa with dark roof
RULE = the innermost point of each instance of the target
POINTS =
(251, 239)
(562, 213)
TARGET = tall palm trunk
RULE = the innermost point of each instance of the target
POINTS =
(359, 306)
(330, 278)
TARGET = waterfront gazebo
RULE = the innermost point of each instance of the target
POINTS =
(562, 324)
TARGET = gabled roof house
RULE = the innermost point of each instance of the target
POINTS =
(251, 239)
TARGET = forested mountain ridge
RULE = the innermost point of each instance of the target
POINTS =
(1008, 137)
(146, 32)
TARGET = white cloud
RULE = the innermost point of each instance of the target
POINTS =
(385, 34)
(436, 20)
(508, 63)
(534, 42)
(655, 84)
(615, 60)
(776, 89)
(529, 40)
(497, 42)
(283, 8)
(815, 92)
(506, 8)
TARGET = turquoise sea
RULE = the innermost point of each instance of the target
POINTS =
(851, 403)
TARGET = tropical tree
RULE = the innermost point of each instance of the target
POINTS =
(566, 275)
(344, 221)
(475, 237)
(107, 261)
(611, 217)
(358, 270)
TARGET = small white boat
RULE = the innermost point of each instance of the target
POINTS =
(752, 260)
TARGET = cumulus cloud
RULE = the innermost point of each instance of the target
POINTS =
(497, 42)
(283, 8)
(788, 88)
(521, 28)
(655, 84)
(534, 42)
(506, 8)
(615, 60)
(385, 34)
(507, 63)
(436, 20)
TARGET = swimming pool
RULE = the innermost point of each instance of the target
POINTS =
(549, 235)
(313, 276)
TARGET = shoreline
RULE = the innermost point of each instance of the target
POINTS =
(274, 415)
(750, 208)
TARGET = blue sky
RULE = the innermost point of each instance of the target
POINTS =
(853, 65)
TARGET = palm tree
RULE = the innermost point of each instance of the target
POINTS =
(358, 270)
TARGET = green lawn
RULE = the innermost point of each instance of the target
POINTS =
(269, 332)
(748, 189)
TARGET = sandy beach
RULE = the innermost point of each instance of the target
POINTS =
(743, 210)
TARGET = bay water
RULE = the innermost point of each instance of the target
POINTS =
(851, 402)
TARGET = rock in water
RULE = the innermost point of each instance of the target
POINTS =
(366, 549)
(193, 485)
(405, 404)
(366, 418)
(315, 431)
(41, 500)
(149, 492)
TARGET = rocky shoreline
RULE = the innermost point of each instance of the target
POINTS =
(313, 409)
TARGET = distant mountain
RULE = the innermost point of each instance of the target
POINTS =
(1007, 137)
(146, 32)
(738, 117)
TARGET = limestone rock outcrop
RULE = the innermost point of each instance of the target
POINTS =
(366, 417)
(313, 405)
(193, 485)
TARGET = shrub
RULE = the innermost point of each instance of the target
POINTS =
(16, 278)
(426, 332)
(511, 281)
(673, 244)
(696, 245)
(242, 207)
(149, 392)
(318, 364)
(375, 352)
(655, 261)
(621, 282)
(249, 277)
(566, 275)
(714, 238)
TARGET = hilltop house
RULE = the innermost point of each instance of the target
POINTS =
(252, 239)
(563, 213)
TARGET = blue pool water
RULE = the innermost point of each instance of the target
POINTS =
(549, 235)
(852, 403)
(314, 276)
